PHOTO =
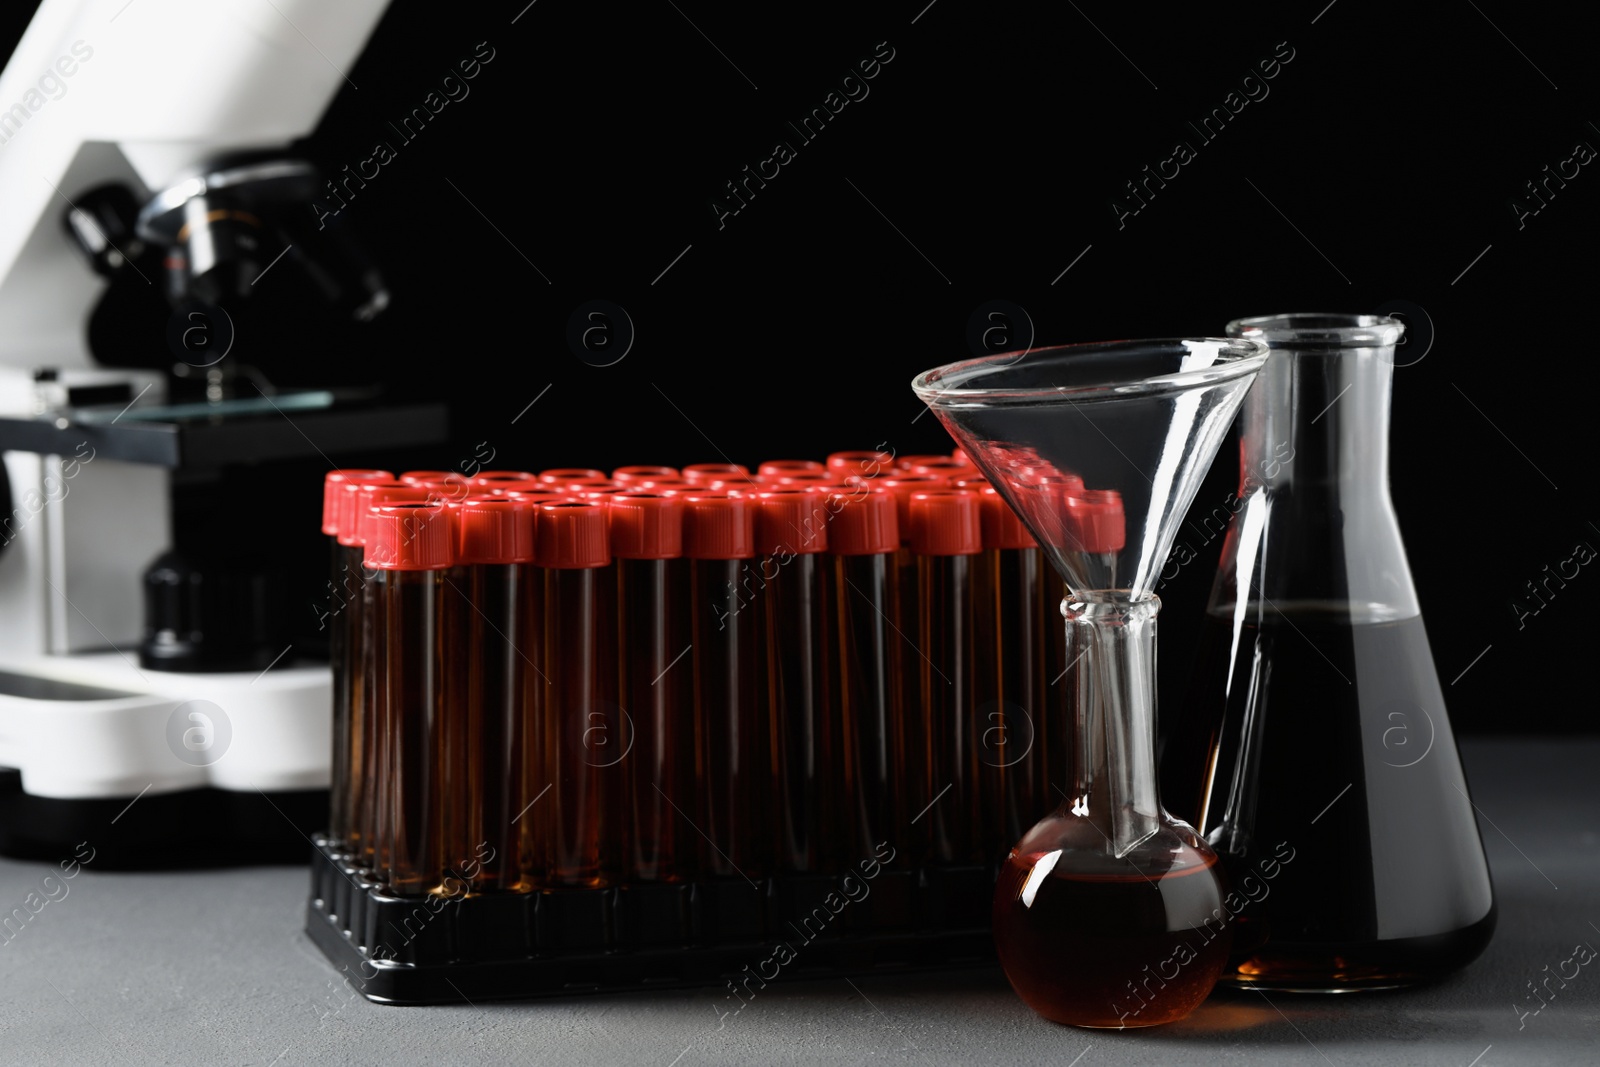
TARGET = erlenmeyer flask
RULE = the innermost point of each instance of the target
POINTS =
(1312, 747)
(1108, 912)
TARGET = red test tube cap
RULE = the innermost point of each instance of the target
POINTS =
(506, 488)
(1094, 520)
(354, 496)
(492, 478)
(333, 482)
(790, 519)
(571, 535)
(646, 525)
(868, 464)
(369, 501)
(807, 479)
(418, 477)
(662, 485)
(706, 473)
(566, 474)
(534, 497)
(495, 530)
(943, 466)
(902, 486)
(1001, 526)
(788, 466)
(865, 522)
(718, 524)
(945, 522)
(636, 475)
(410, 537)
(909, 463)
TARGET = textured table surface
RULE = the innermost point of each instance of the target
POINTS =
(212, 968)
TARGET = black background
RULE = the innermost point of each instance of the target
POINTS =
(984, 161)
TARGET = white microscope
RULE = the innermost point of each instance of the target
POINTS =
(150, 700)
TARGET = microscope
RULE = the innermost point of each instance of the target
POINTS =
(160, 262)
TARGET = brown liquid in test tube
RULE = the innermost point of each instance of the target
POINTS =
(656, 680)
(344, 596)
(792, 596)
(355, 743)
(736, 768)
(1010, 632)
(913, 774)
(586, 736)
(868, 657)
(496, 554)
(1030, 474)
(412, 546)
(946, 538)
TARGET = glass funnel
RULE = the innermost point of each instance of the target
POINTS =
(1109, 912)
(1313, 748)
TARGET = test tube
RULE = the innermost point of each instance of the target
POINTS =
(585, 735)
(411, 546)
(352, 745)
(946, 537)
(496, 551)
(905, 565)
(1010, 631)
(863, 536)
(736, 767)
(656, 682)
(344, 592)
(791, 531)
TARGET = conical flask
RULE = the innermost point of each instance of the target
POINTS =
(1109, 912)
(1312, 747)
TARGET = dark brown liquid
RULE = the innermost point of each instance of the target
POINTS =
(945, 708)
(369, 725)
(733, 810)
(794, 672)
(496, 631)
(424, 712)
(1010, 633)
(868, 659)
(1355, 774)
(344, 656)
(586, 736)
(1114, 949)
(910, 770)
(655, 678)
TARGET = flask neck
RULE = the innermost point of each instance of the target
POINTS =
(1317, 422)
(1111, 646)
(1313, 523)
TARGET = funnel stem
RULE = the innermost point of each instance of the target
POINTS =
(1111, 643)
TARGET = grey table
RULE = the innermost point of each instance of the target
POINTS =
(212, 968)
